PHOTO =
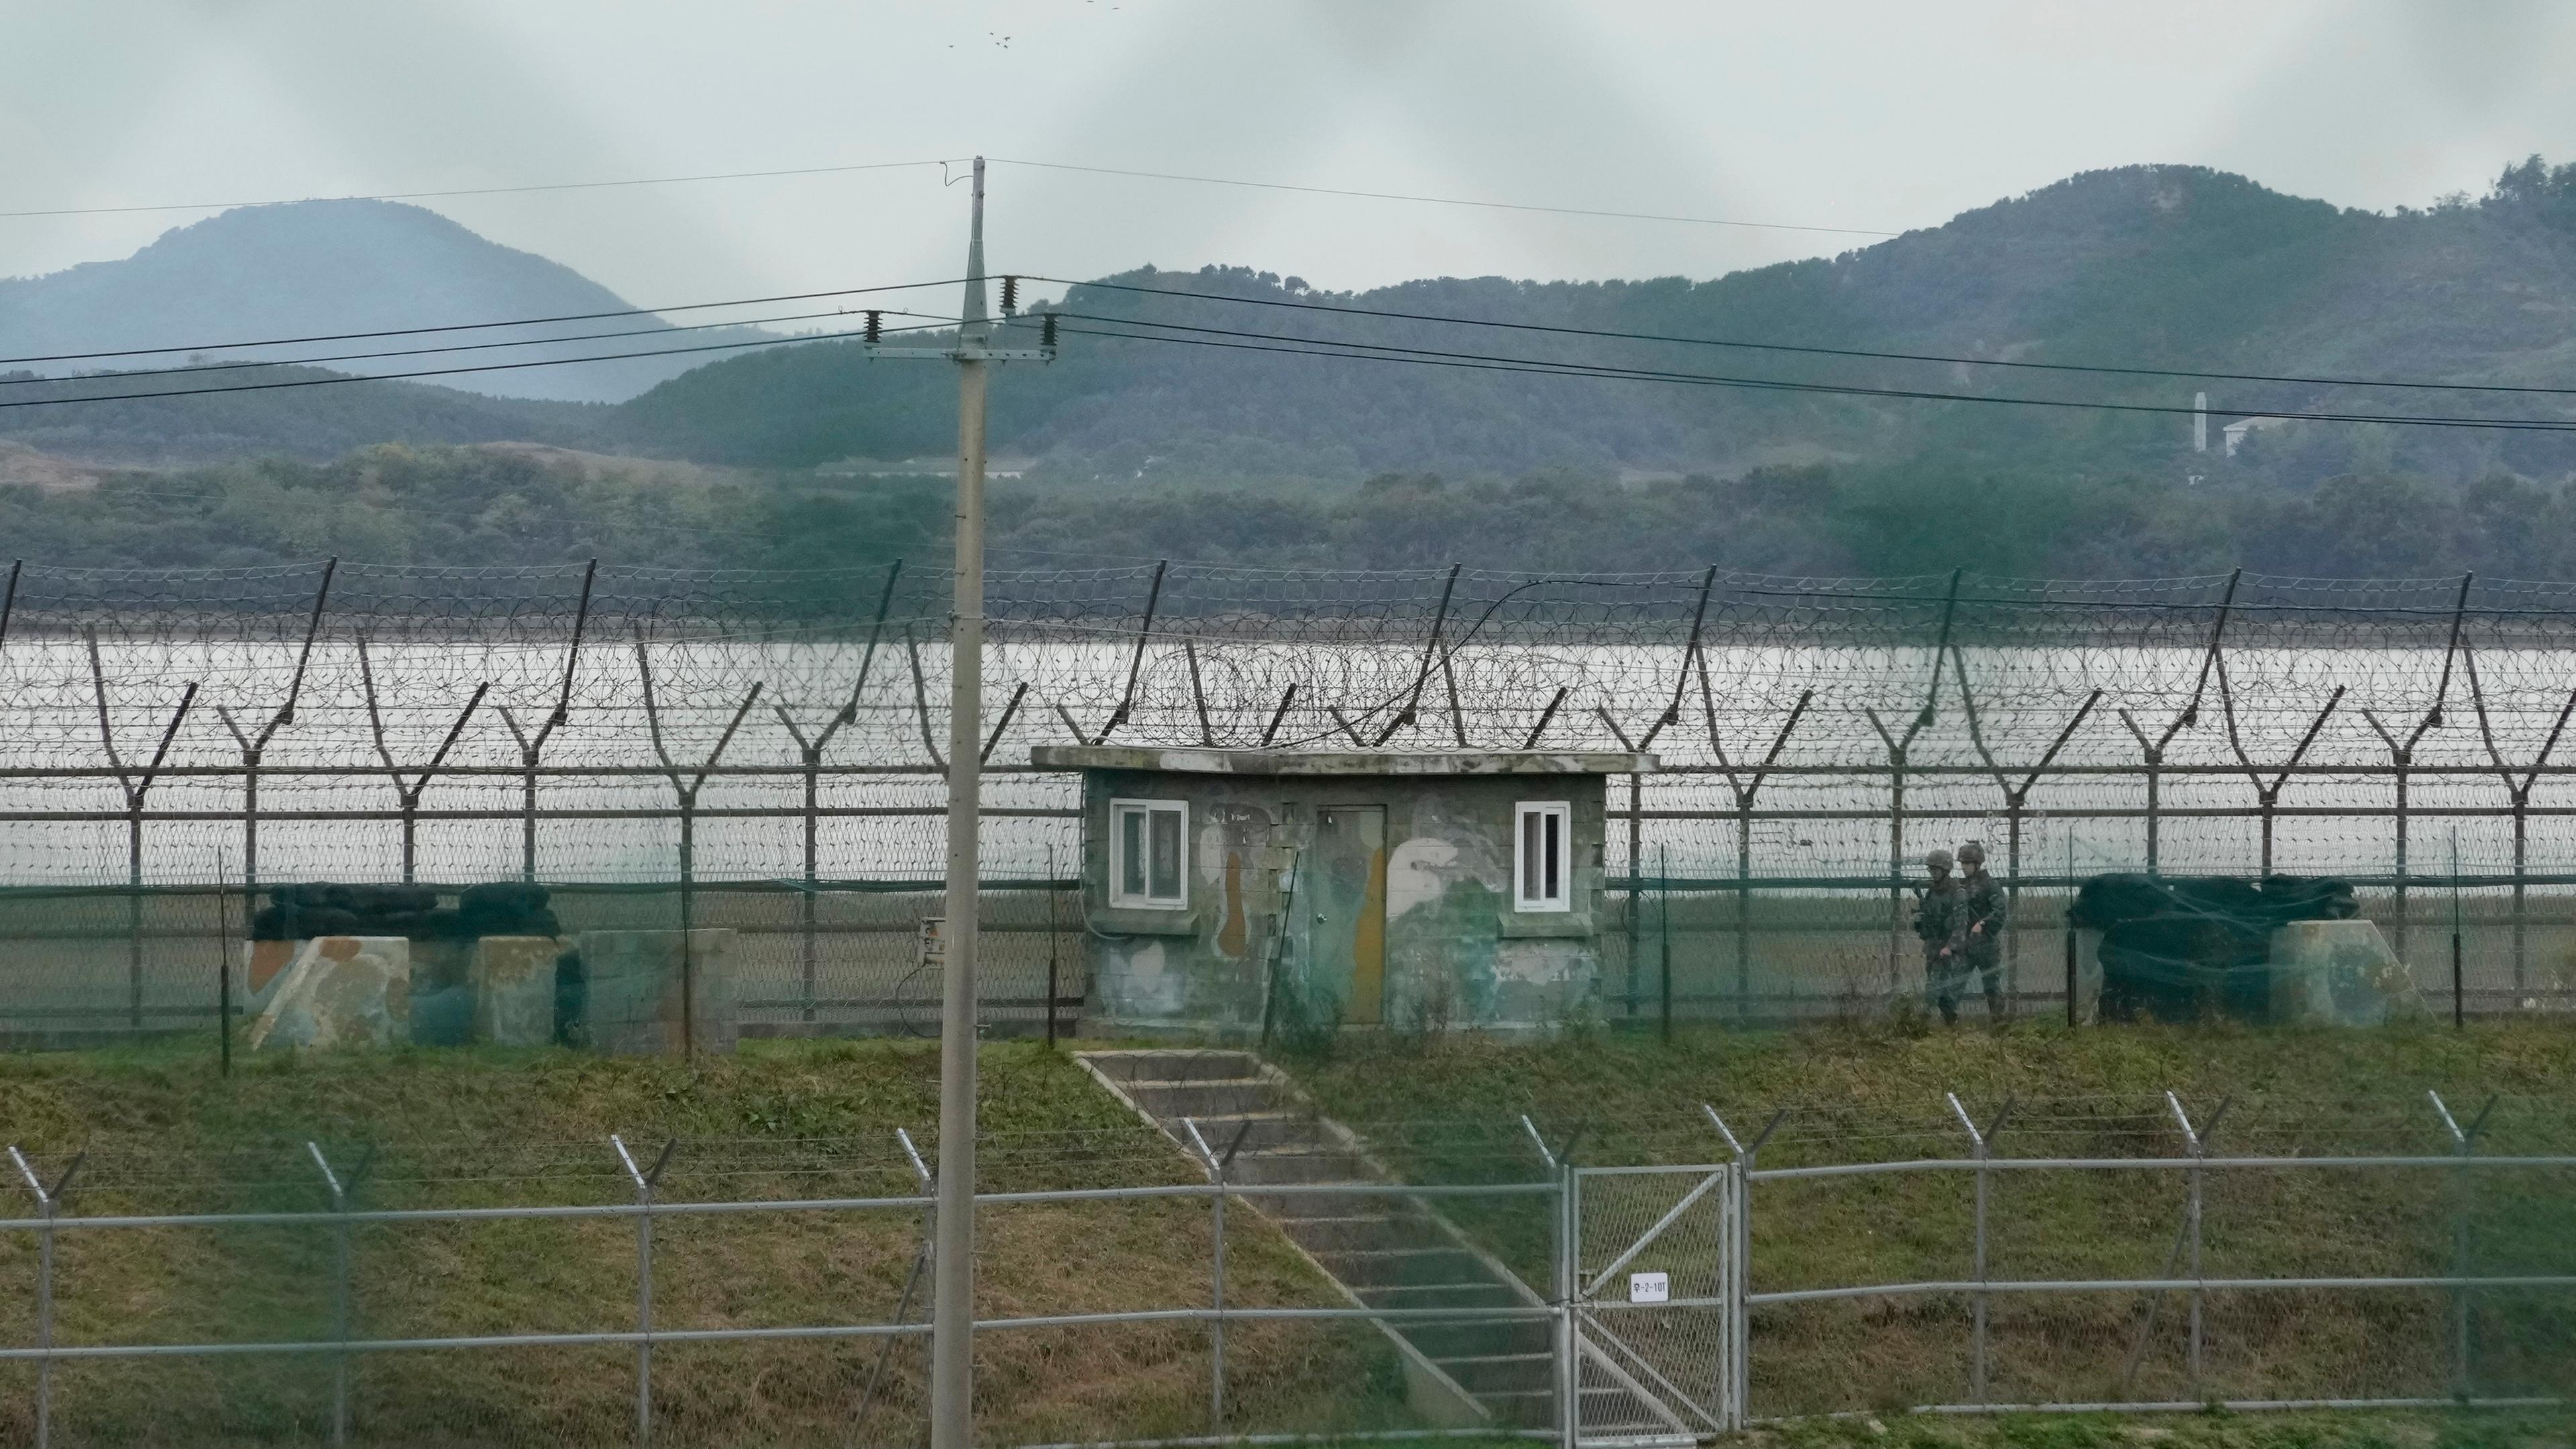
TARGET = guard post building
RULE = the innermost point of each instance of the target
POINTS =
(1231, 892)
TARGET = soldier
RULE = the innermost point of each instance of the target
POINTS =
(1977, 935)
(1936, 910)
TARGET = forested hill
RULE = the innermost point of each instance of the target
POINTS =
(317, 268)
(2137, 267)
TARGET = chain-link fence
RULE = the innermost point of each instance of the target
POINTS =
(1249, 1272)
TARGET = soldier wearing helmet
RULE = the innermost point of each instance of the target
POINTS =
(1936, 909)
(1976, 938)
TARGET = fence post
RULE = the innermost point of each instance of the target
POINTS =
(1743, 908)
(813, 867)
(2074, 980)
(1636, 848)
(2401, 907)
(2464, 1142)
(1569, 1280)
(48, 1202)
(339, 1293)
(1739, 1279)
(1664, 931)
(2016, 801)
(2197, 1140)
(1561, 1286)
(1745, 789)
(1895, 842)
(1981, 1143)
(687, 793)
(911, 1283)
(644, 1182)
(1217, 1165)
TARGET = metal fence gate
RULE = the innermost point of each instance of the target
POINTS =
(1656, 1332)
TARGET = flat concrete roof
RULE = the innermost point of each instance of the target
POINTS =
(1206, 761)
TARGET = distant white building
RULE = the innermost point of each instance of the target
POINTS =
(2235, 433)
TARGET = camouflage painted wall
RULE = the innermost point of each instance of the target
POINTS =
(1452, 950)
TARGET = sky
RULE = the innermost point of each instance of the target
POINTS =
(1826, 123)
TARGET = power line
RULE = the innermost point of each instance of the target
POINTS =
(1485, 362)
(948, 161)
(474, 326)
(603, 525)
(199, 369)
(1443, 200)
(1854, 352)
(329, 379)
(480, 190)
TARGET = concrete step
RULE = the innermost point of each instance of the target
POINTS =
(1169, 1102)
(1437, 1295)
(1174, 1066)
(1362, 1233)
(1294, 1164)
(1405, 1265)
(1269, 1131)
(1480, 1338)
(1607, 1412)
(1386, 1250)
(1493, 1373)
(1290, 1207)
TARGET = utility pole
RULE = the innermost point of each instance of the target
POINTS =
(952, 1281)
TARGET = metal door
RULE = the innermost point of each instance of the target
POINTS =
(1655, 1322)
(1345, 889)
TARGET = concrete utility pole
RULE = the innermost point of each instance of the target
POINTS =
(952, 1281)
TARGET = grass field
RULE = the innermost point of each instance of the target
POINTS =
(474, 1128)
(1875, 1093)
(814, 1119)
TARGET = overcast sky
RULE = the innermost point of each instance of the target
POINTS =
(1867, 116)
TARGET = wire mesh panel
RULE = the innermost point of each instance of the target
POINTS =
(1654, 1303)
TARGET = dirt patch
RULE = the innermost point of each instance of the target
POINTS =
(24, 467)
(590, 467)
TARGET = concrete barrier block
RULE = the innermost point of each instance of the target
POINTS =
(2338, 973)
(340, 991)
(514, 989)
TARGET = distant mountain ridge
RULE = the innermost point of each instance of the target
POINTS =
(2142, 266)
(313, 268)
(2136, 267)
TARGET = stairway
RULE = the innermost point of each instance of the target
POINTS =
(1381, 1250)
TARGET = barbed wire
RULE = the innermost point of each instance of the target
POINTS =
(1750, 690)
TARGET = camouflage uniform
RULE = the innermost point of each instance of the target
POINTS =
(1978, 953)
(1936, 911)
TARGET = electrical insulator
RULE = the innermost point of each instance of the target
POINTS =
(876, 327)
(1010, 296)
(1046, 335)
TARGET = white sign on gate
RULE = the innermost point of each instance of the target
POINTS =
(1650, 1287)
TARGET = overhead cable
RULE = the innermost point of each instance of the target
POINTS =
(1851, 352)
(340, 377)
(1441, 200)
(198, 369)
(1377, 352)
(479, 190)
(476, 326)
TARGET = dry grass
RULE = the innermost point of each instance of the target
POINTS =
(1876, 1094)
(781, 1119)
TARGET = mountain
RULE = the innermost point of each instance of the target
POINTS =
(2140, 267)
(1170, 422)
(192, 423)
(311, 268)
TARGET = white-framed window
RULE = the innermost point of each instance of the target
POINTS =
(1149, 863)
(1543, 858)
